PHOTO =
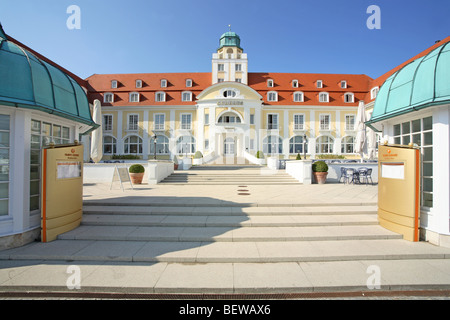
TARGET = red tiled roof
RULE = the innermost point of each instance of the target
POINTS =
(99, 84)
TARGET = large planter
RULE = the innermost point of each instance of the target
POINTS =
(136, 178)
(197, 161)
(320, 177)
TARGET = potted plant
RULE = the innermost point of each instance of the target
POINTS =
(136, 173)
(198, 158)
(320, 171)
(299, 157)
(260, 158)
(175, 163)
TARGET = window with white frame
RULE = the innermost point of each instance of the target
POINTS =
(296, 144)
(188, 83)
(343, 84)
(270, 83)
(138, 83)
(186, 96)
(349, 122)
(272, 121)
(324, 122)
(272, 96)
(107, 122)
(299, 122)
(206, 119)
(133, 145)
(162, 145)
(108, 97)
(186, 121)
(238, 67)
(239, 80)
(420, 132)
(349, 98)
(319, 84)
(324, 144)
(220, 80)
(273, 145)
(229, 117)
(294, 83)
(252, 119)
(114, 84)
(298, 97)
(109, 145)
(348, 144)
(160, 96)
(4, 164)
(374, 92)
(220, 67)
(186, 145)
(323, 97)
(134, 97)
(206, 144)
(163, 83)
(159, 121)
(133, 122)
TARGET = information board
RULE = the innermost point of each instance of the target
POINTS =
(122, 175)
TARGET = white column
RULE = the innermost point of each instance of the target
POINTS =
(441, 171)
(212, 130)
(200, 129)
(286, 134)
(312, 138)
(259, 132)
(172, 138)
(19, 192)
(120, 149)
(145, 137)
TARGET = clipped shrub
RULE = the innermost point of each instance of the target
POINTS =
(259, 155)
(136, 168)
(330, 156)
(198, 155)
(175, 160)
(125, 157)
(319, 166)
(299, 157)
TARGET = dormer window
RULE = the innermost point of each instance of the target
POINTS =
(323, 97)
(186, 96)
(319, 84)
(374, 92)
(138, 83)
(108, 97)
(272, 96)
(134, 97)
(188, 83)
(270, 83)
(349, 98)
(298, 97)
(294, 83)
(163, 83)
(343, 84)
(114, 84)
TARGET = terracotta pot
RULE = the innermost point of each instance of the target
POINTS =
(320, 177)
(175, 166)
(136, 178)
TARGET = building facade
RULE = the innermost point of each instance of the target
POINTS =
(230, 113)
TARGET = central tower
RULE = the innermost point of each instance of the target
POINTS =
(230, 62)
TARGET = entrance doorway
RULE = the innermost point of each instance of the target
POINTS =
(229, 147)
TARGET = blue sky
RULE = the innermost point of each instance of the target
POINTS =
(305, 36)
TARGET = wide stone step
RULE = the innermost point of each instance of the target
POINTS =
(228, 234)
(194, 210)
(233, 252)
(228, 221)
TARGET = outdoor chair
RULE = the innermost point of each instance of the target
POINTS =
(342, 174)
(366, 174)
(349, 175)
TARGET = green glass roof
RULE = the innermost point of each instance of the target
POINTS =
(230, 39)
(420, 84)
(29, 82)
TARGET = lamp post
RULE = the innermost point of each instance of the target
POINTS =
(154, 141)
(304, 146)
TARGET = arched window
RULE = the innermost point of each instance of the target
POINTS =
(348, 144)
(162, 145)
(324, 144)
(133, 144)
(229, 93)
(109, 145)
(296, 145)
(229, 117)
(272, 145)
(186, 145)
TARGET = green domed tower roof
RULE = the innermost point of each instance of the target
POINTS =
(230, 39)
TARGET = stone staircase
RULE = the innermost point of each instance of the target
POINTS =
(232, 175)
